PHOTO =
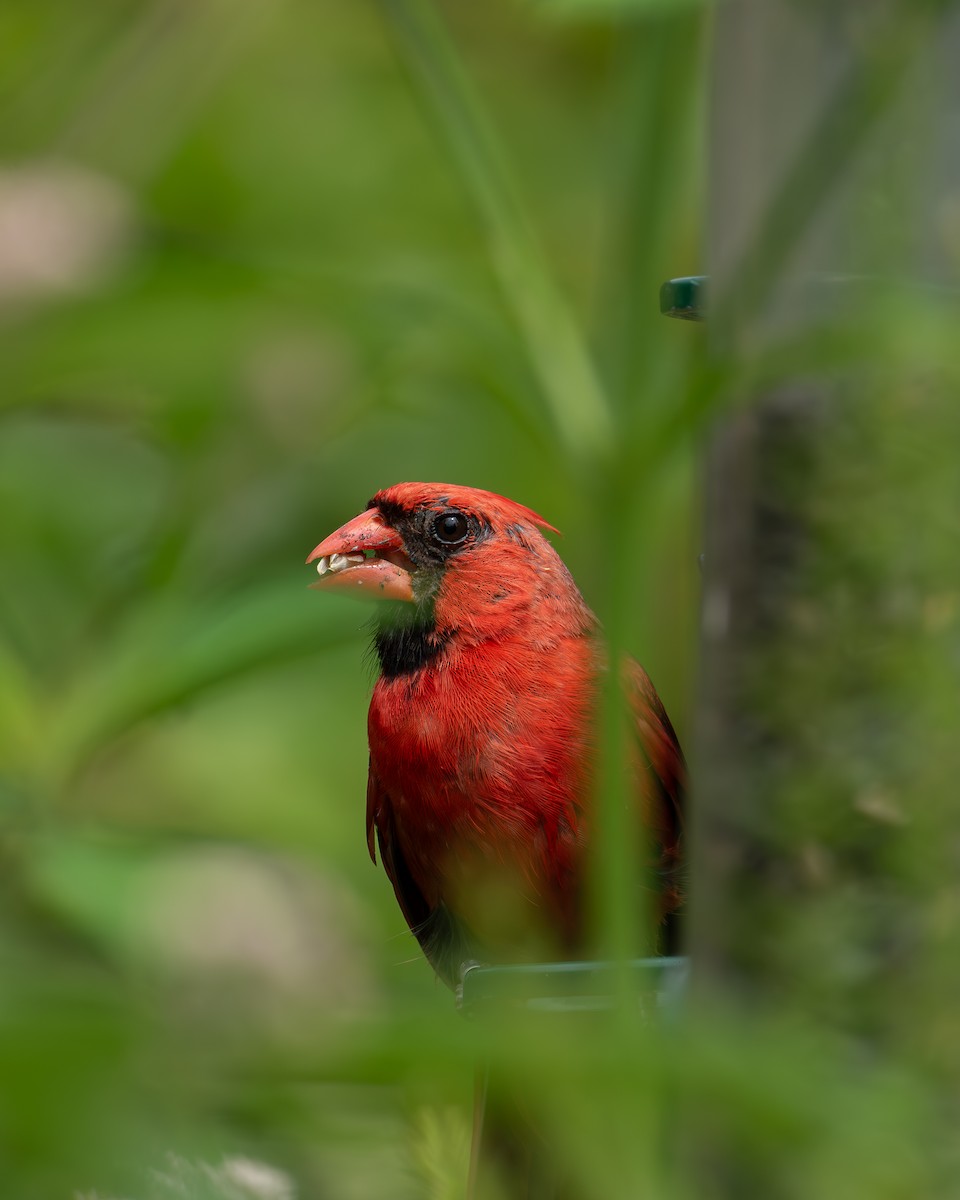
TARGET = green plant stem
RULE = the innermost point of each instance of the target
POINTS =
(556, 348)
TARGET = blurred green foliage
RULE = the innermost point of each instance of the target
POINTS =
(258, 260)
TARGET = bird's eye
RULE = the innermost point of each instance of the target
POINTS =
(450, 527)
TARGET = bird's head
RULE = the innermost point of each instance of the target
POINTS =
(469, 557)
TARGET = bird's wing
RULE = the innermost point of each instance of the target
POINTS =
(663, 773)
(381, 830)
(443, 939)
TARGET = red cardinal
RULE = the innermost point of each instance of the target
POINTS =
(481, 724)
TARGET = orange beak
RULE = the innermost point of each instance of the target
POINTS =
(364, 558)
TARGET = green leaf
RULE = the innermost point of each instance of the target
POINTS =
(171, 651)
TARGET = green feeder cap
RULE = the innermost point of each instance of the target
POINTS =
(685, 297)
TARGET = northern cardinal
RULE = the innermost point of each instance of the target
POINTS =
(481, 725)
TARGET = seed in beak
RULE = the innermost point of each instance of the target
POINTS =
(337, 562)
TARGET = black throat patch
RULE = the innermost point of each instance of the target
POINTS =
(403, 647)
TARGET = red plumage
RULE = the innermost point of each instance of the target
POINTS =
(481, 724)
